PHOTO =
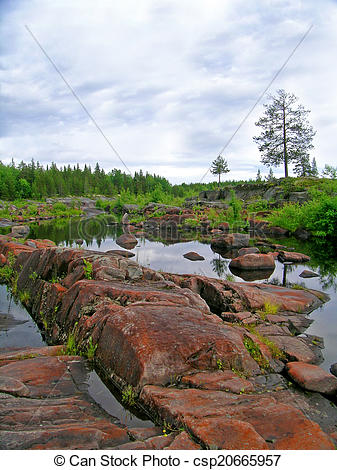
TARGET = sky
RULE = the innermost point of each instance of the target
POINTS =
(167, 81)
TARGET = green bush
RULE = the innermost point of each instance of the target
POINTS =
(319, 216)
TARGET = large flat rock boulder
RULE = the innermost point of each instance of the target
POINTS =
(312, 377)
(44, 405)
(247, 418)
(253, 262)
(292, 257)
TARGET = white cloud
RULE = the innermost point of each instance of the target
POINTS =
(167, 81)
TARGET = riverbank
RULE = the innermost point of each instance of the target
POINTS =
(197, 353)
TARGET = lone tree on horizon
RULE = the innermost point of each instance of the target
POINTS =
(286, 134)
(219, 166)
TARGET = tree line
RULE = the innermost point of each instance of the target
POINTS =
(32, 180)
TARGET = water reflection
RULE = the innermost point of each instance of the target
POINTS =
(17, 329)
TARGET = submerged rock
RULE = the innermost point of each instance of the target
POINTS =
(127, 240)
(308, 274)
(192, 256)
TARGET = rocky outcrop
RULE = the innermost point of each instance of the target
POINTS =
(45, 404)
(162, 337)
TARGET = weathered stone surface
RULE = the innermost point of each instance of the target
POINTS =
(192, 341)
(221, 433)
(141, 434)
(238, 317)
(253, 261)
(292, 257)
(7, 357)
(312, 377)
(192, 256)
(154, 443)
(247, 251)
(183, 442)
(225, 380)
(127, 240)
(307, 274)
(13, 386)
(233, 240)
(291, 300)
(43, 407)
(295, 348)
(281, 426)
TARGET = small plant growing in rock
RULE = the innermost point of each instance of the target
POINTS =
(219, 364)
(129, 396)
(239, 373)
(168, 428)
(71, 348)
(268, 309)
(255, 352)
(91, 349)
(33, 276)
(87, 269)
(24, 297)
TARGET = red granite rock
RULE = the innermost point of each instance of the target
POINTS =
(127, 240)
(175, 340)
(225, 380)
(281, 426)
(13, 386)
(57, 414)
(248, 251)
(141, 434)
(312, 377)
(183, 442)
(292, 257)
(222, 433)
(253, 261)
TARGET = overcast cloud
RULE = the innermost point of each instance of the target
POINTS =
(168, 81)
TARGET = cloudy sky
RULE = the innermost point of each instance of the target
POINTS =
(168, 81)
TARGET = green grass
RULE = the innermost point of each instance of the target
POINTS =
(129, 396)
(87, 269)
(268, 309)
(255, 353)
